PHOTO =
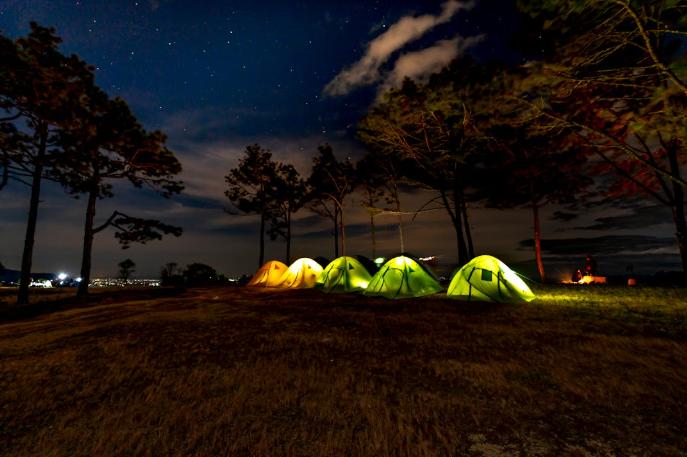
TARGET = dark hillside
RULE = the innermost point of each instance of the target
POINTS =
(246, 372)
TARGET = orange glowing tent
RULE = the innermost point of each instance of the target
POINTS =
(269, 274)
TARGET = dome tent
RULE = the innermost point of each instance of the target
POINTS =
(486, 278)
(343, 275)
(269, 274)
(366, 262)
(402, 277)
(302, 274)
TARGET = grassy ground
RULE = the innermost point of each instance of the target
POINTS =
(581, 371)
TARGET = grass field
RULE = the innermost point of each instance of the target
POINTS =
(581, 371)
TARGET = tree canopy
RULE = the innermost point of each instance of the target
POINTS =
(429, 129)
(251, 188)
(126, 269)
(330, 181)
(289, 196)
(40, 94)
(57, 124)
(617, 81)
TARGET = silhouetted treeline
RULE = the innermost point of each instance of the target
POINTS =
(195, 274)
(56, 124)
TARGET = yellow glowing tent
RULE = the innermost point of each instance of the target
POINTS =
(269, 274)
(302, 274)
(486, 278)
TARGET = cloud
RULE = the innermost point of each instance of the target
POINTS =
(406, 30)
(208, 123)
(640, 217)
(419, 65)
(605, 245)
(563, 216)
(206, 161)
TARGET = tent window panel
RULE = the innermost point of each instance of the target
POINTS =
(486, 275)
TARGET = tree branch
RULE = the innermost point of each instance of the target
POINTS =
(650, 48)
(619, 144)
(107, 223)
(11, 118)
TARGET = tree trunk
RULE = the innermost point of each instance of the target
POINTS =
(336, 232)
(262, 240)
(5, 165)
(88, 235)
(400, 218)
(343, 234)
(373, 234)
(537, 242)
(400, 232)
(462, 248)
(466, 223)
(288, 237)
(27, 255)
(681, 235)
(458, 227)
(457, 221)
(678, 210)
(397, 200)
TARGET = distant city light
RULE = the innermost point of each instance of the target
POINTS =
(62, 276)
(78, 280)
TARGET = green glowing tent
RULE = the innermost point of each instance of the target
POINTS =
(486, 278)
(402, 277)
(343, 275)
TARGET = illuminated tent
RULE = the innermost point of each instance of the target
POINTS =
(302, 274)
(269, 274)
(486, 278)
(343, 275)
(402, 277)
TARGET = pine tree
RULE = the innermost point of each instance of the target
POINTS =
(251, 189)
(44, 90)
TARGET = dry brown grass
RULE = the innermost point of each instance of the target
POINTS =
(241, 372)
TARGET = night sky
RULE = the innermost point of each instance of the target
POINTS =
(217, 76)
